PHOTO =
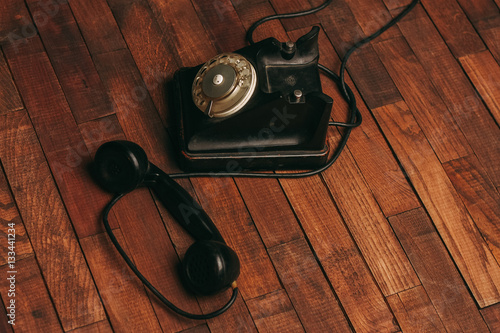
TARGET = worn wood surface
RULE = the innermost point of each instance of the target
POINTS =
(402, 234)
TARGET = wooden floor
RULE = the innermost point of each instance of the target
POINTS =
(401, 234)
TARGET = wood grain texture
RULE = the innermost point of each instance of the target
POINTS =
(149, 47)
(9, 97)
(34, 311)
(368, 226)
(367, 144)
(311, 295)
(287, 6)
(188, 37)
(9, 215)
(122, 293)
(491, 316)
(4, 325)
(440, 278)
(339, 256)
(427, 107)
(415, 312)
(454, 26)
(97, 25)
(479, 196)
(71, 61)
(364, 67)
(454, 87)
(484, 72)
(440, 199)
(99, 327)
(61, 262)
(274, 313)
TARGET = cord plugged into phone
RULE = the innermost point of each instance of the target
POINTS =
(261, 107)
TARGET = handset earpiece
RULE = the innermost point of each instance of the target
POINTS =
(209, 265)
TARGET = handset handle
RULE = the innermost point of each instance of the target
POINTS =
(182, 206)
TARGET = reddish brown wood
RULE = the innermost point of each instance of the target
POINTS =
(491, 316)
(181, 23)
(369, 227)
(197, 329)
(9, 97)
(250, 12)
(367, 144)
(484, 71)
(274, 313)
(439, 197)
(364, 66)
(150, 49)
(123, 295)
(415, 312)
(479, 196)
(34, 310)
(339, 256)
(71, 60)
(220, 198)
(292, 6)
(222, 24)
(61, 262)
(97, 25)
(4, 325)
(455, 89)
(99, 327)
(427, 107)
(10, 215)
(454, 26)
(313, 300)
(438, 274)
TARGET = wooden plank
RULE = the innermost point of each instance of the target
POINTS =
(367, 143)
(454, 88)
(419, 93)
(4, 325)
(221, 200)
(309, 292)
(479, 196)
(9, 97)
(484, 72)
(152, 54)
(437, 271)
(368, 226)
(274, 313)
(99, 327)
(33, 309)
(251, 12)
(287, 6)
(197, 329)
(72, 64)
(222, 24)
(415, 312)
(135, 109)
(339, 256)
(58, 134)
(371, 16)
(51, 234)
(454, 26)
(447, 211)
(491, 316)
(10, 215)
(364, 66)
(181, 23)
(98, 27)
(262, 197)
(123, 295)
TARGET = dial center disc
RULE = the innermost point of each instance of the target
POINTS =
(219, 81)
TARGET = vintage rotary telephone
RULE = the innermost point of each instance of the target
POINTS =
(260, 107)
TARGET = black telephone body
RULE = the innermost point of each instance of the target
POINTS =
(258, 108)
